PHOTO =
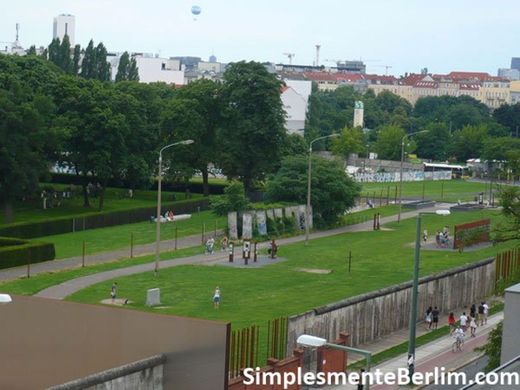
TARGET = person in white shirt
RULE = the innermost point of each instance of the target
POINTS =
(463, 322)
(486, 310)
(473, 326)
(216, 298)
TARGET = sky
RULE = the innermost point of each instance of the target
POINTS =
(441, 35)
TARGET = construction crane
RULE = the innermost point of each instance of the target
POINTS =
(290, 56)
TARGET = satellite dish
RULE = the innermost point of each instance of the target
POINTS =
(195, 10)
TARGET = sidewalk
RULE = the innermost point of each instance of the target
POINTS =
(438, 353)
(184, 242)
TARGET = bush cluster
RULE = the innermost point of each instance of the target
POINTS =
(15, 252)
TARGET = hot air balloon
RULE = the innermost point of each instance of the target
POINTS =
(195, 10)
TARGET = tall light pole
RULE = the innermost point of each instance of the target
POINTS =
(415, 290)
(309, 173)
(401, 171)
(158, 220)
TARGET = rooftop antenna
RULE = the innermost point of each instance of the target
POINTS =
(290, 56)
(317, 55)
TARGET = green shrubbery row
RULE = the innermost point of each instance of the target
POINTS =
(15, 252)
(97, 220)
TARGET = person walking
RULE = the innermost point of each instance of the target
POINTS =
(216, 298)
(486, 310)
(435, 317)
(113, 291)
(428, 317)
(481, 313)
(473, 327)
(451, 323)
(473, 311)
(463, 322)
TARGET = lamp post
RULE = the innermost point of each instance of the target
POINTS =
(158, 220)
(309, 170)
(401, 171)
(415, 290)
(5, 298)
(314, 342)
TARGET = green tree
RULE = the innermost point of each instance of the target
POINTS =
(294, 145)
(88, 65)
(434, 143)
(510, 201)
(76, 59)
(499, 148)
(64, 60)
(203, 112)
(388, 143)
(350, 141)
(28, 142)
(509, 116)
(102, 65)
(467, 142)
(493, 347)
(252, 133)
(31, 51)
(133, 71)
(234, 199)
(332, 191)
(123, 67)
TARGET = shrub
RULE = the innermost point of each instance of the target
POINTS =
(234, 199)
(15, 252)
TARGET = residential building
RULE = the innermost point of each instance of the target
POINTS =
(495, 92)
(295, 98)
(515, 91)
(64, 24)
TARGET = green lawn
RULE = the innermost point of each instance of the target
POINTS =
(252, 296)
(115, 199)
(442, 190)
(116, 237)
(34, 284)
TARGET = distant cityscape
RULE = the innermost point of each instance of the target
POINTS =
(493, 91)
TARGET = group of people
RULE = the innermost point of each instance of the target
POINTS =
(471, 321)
(442, 238)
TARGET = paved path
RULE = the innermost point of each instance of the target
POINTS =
(438, 353)
(62, 290)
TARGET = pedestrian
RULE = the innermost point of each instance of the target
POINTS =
(209, 246)
(481, 313)
(224, 243)
(428, 317)
(463, 322)
(425, 235)
(435, 317)
(473, 311)
(486, 310)
(113, 291)
(360, 385)
(451, 323)
(216, 298)
(473, 326)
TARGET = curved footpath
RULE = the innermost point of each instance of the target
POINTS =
(69, 287)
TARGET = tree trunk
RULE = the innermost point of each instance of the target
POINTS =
(205, 181)
(8, 212)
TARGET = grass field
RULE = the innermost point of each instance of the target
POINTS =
(115, 199)
(34, 284)
(116, 237)
(252, 296)
(442, 190)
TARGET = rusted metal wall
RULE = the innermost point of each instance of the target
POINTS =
(370, 316)
(47, 342)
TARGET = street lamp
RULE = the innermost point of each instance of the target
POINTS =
(415, 290)
(308, 208)
(314, 342)
(401, 171)
(158, 220)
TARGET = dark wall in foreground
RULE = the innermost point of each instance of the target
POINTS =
(49, 342)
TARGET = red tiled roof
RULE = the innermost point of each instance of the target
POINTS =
(469, 75)
(381, 79)
(412, 79)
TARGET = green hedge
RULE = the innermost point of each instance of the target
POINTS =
(14, 252)
(98, 220)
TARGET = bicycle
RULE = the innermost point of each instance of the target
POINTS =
(457, 344)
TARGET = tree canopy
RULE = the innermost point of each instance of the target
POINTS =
(332, 191)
